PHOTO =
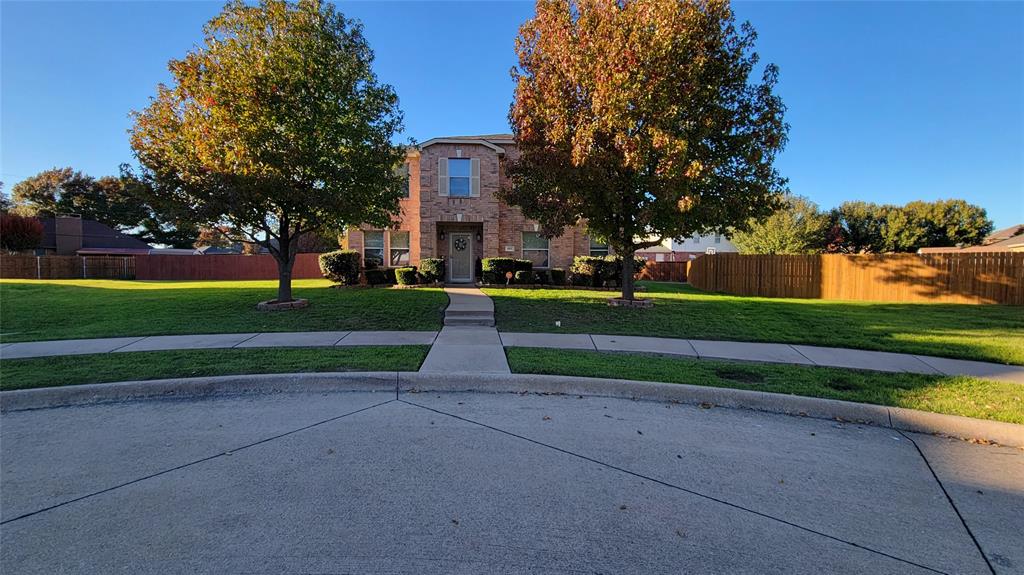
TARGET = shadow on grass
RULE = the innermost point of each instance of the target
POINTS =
(956, 395)
(987, 333)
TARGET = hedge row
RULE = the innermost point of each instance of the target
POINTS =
(344, 267)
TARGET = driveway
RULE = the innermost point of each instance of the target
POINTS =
(359, 482)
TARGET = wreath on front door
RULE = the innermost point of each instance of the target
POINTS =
(460, 244)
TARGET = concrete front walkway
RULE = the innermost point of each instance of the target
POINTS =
(477, 348)
(367, 481)
(468, 305)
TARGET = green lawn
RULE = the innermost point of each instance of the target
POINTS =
(967, 396)
(100, 368)
(70, 309)
(982, 332)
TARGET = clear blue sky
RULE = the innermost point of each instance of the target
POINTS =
(888, 102)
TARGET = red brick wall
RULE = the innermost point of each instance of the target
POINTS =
(425, 212)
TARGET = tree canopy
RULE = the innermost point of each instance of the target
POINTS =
(798, 227)
(275, 126)
(639, 118)
(864, 227)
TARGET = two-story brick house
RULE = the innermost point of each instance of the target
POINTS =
(452, 212)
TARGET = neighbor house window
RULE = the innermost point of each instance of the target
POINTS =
(598, 249)
(373, 249)
(696, 239)
(659, 257)
(460, 172)
(535, 249)
(718, 238)
(404, 172)
(399, 248)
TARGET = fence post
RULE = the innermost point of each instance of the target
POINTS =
(39, 271)
(84, 275)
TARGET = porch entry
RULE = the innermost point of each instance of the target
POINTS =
(460, 259)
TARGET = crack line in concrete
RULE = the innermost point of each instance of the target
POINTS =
(680, 488)
(191, 463)
(952, 504)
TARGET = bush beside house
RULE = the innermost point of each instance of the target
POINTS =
(406, 276)
(432, 270)
(341, 267)
(593, 271)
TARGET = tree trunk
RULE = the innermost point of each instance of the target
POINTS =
(285, 263)
(627, 274)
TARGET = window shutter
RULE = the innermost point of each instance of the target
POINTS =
(474, 180)
(442, 176)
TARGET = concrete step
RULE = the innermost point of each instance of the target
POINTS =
(467, 312)
(476, 319)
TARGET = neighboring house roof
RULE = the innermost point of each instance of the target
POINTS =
(94, 235)
(1004, 234)
(113, 251)
(1009, 239)
(215, 250)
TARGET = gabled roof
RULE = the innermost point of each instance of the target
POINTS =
(491, 141)
(1004, 234)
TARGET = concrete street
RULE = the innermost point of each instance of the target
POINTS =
(359, 482)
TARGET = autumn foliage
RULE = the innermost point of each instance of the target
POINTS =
(20, 233)
(638, 117)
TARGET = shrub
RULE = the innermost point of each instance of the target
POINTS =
(586, 270)
(494, 269)
(19, 233)
(524, 277)
(376, 277)
(523, 265)
(432, 270)
(601, 271)
(541, 277)
(557, 276)
(405, 276)
(389, 276)
(341, 266)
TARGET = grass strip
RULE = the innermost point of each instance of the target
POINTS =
(954, 395)
(135, 366)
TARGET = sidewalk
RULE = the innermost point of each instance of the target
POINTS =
(478, 348)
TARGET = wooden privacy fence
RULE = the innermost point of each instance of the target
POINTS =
(983, 277)
(67, 267)
(221, 267)
(664, 271)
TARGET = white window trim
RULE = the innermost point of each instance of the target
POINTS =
(523, 250)
(391, 250)
(383, 246)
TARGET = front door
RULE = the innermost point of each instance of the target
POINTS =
(460, 269)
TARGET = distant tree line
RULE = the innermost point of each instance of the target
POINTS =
(125, 203)
(800, 227)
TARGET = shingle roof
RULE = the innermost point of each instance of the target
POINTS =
(94, 235)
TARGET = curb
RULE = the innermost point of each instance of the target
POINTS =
(412, 382)
(196, 387)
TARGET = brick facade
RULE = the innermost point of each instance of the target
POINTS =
(497, 228)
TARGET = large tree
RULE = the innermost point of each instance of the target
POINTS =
(275, 127)
(798, 227)
(865, 227)
(639, 117)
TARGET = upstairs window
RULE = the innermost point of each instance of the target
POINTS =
(598, 249)
(459, 175)
(373, 249)
(399, 248)
(403, 172)
(535, 249)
